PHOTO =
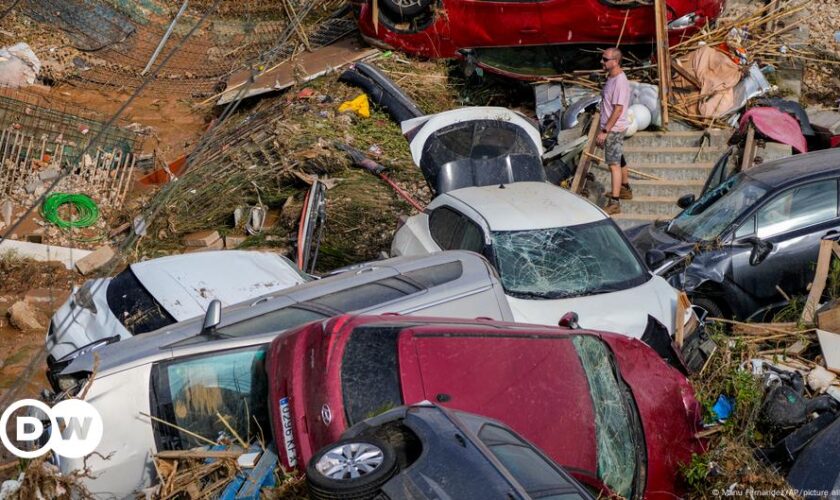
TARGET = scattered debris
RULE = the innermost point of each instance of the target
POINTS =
(204, 239)
(19, 66)
(24, 317)
(96, 260)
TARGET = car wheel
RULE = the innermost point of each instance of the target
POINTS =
(406, 9)
(351, 468)
(709, 305)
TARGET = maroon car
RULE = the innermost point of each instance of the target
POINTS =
(526, 38)
(604, 406)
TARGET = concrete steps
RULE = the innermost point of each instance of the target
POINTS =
(679, 165)
(668, 187)
(682, 138)
(641, 155)
(663, 171)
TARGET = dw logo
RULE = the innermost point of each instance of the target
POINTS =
(75, 428)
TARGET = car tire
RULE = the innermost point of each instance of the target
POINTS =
(711, 307)
(405, 10)
(328, 470)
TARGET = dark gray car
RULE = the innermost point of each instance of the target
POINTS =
(757, 232)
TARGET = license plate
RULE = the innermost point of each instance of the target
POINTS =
(288, 435)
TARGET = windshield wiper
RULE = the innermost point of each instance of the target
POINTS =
(535, 295)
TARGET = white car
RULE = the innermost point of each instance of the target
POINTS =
(150, 295)
(555, 251)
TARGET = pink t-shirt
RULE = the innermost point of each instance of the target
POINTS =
(616, 91)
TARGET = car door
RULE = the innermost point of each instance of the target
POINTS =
(452, 230)
(794, 221)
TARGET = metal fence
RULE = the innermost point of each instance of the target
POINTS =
(116, 39)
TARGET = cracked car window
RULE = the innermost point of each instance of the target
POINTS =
(614, 434)
(566, 261)
(716, 210)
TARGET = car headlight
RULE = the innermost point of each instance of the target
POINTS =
(84, 297)
(69, 385)
(683, 22)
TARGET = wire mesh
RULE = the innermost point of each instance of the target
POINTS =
(115, 39)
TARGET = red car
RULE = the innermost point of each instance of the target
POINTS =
(604, 406)
(526, 38)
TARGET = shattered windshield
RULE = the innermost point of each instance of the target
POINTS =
(564, 262)
(615, 432)
(716, 210)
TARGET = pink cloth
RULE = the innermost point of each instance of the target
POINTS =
(777, 125)
(615, 91)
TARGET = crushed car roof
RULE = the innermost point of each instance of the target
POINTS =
(528, 205)
(185, 284)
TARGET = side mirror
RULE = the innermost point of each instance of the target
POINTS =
(685, 201)
(569, 320)
(654, 257)
(212, 317)
(760, 250)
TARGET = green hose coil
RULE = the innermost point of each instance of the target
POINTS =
(88, 212)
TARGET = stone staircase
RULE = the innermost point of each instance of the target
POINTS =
(679, 164)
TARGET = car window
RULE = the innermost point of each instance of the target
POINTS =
(565, 262)
(614, 427)
(367, 295)
(193, 392)
(370, 381)
(747, 228)
(798, 207)
(135, 307)
(274, 321)
(454, 231)
(429, 277)
(529, 468)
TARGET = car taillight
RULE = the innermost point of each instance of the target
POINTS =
(692, 407)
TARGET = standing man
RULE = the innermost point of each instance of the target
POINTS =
(615, 99)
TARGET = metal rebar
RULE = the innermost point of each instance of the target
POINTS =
(165, 37)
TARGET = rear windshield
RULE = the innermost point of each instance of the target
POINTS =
(135, 307)
(533, 471)
(480, 153)
(370, 381)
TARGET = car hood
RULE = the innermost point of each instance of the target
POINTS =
(651, 236)
(625, 312)
(185, 284)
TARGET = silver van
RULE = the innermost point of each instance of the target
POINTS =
(136, 377)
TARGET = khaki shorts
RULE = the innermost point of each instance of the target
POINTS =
(614, 148)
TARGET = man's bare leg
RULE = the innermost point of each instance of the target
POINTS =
(616, 175)
(625, 176)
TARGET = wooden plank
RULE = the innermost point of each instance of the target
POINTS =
(173, 454)
(820, 278)
(685, 74)
(679, 321)
(585, 159)
(748, 158)
(663, 58)
(285, 74)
